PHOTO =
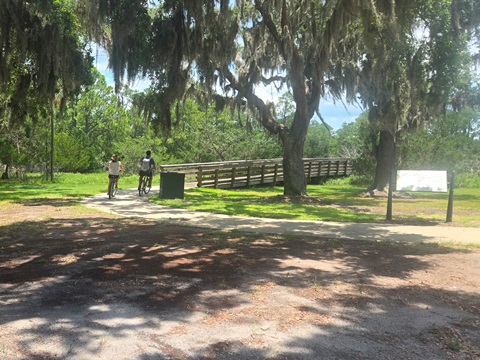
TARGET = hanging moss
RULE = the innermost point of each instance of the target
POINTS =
(42, 55)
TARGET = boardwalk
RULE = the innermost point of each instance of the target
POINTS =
(246, 173)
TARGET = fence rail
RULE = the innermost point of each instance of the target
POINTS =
(245, 173)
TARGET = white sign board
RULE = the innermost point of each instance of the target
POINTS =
(422, 180)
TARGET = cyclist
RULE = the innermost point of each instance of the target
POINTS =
(146, 165)
(114, 166)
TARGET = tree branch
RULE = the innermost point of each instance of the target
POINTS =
(266, 117)
(323, 122)
(268, 81)
(268, 21)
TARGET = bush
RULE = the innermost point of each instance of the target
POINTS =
(467, 180)
(356, 180)
(71, 155)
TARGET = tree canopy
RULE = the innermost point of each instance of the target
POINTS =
(303, 45)
(409, 78)
(309, 47)
(406, 60)
(42, 55)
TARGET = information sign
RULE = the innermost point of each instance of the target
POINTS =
(422, 180)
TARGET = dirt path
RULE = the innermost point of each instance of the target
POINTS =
(78, 284)
(129, 204)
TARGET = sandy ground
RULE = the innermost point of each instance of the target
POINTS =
(83, 284)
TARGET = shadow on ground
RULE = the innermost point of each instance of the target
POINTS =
(99, 287)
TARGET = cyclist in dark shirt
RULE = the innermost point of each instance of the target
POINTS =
(147, 165)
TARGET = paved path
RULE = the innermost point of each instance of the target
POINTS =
(128, 203)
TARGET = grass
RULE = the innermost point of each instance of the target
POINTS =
(68, 186)
(343, 203)
(329, 202)
(268, 202)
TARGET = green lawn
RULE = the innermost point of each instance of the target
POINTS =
(66, 185)
(344, 203)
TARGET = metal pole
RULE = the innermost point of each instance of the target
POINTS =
(390, 196)
(450, 198)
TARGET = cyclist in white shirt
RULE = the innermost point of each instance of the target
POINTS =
(114, 166)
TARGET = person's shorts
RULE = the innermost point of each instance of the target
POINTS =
(147, 173)
(110, 176)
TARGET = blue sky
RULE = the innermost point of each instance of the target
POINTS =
(335, 114)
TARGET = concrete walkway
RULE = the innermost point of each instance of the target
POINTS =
(128, 203)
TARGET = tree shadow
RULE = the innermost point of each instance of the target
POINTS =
(78, 280)
(56, 202)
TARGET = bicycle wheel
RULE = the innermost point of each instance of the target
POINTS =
(111, 190)
(143, 183)
(146, 188)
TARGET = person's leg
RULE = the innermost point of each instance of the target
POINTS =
(150, 180)
(139, 182)
(109, 183)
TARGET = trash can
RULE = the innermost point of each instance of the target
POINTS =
(172, 185)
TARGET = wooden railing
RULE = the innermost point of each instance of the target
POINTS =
(245, 173)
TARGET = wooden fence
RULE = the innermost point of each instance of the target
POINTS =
(245, 173)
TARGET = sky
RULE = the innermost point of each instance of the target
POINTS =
(335, 114)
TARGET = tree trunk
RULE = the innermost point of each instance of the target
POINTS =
(385, 160)
(295, 183)
(293, 139)
(5, 173)
(293, 170)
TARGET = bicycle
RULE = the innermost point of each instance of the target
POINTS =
(113, 187)
(144, 186)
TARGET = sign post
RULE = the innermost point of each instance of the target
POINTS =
(390, 196)
(450, 199)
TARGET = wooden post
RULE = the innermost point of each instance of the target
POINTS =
(248, 175)
(233, 177)
(263, 174)
(450, 198)
(199, 177)
(390, 196)
(216, 179)
(275, 175)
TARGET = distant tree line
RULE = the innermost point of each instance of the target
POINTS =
(98, 122)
